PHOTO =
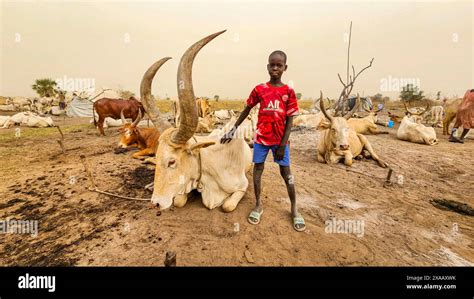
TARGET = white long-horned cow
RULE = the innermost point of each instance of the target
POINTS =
(185, 162)
(246, 130)
(366, 125)
(435, 116)
(411, 130)
(338, 141)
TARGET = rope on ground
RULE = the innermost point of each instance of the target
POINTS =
(116, 195)
(368, 175)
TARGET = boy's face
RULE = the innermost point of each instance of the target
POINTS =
(276, 66)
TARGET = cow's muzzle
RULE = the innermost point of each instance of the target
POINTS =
(344, 147)
(162, 202)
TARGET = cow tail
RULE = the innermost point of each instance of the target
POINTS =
(93, 115)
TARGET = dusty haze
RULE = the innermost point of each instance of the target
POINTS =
(115, 42)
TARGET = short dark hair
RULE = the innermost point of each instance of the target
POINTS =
(278, 52)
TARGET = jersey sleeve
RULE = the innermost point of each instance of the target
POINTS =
(292, 104)
(253, 99)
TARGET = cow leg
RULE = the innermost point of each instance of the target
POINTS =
(231, 202)
(366, 145)
(142, 153)
(180, 200)
(375, 131)
(320, 157)
(348, 158)
(100, 124)
(446, 122)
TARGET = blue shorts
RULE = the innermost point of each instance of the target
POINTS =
(260, 153)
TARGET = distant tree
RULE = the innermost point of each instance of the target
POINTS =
(385, 99)
(216, 98)
(298, 95)
(45, 87)
(377, 97)
(438, 95)
(411, 93)
(125, 94)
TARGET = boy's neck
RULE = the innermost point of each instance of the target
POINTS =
(276, 82)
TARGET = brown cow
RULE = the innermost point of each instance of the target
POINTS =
(394, 118)
(146, 139)
(203, 107)
(450, 111)
(107, 107)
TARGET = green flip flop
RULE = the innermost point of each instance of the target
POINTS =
(298, 221)
(254, 215)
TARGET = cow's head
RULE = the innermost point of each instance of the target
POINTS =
(373, 112)
(417, 116)
(129, 133)
(338, 126)
(178, 154)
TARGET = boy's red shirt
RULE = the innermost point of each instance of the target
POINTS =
(276, 103)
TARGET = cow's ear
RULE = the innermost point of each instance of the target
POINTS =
(323, 125)
(197, 146)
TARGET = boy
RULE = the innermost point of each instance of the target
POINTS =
(278, 105)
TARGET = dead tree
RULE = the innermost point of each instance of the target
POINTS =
(341, 104)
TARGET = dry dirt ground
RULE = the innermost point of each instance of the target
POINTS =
(81, 227)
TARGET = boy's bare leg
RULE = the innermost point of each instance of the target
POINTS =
(257, 179)
(298, 222)
(290, 186)
(464, 133)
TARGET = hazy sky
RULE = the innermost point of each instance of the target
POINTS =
(114, 42)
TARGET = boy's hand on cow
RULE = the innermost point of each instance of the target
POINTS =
(228, 136)
(280, 152)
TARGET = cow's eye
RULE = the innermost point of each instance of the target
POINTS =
(172, 163)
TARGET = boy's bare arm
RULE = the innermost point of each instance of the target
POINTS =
(229, 135)
(281, 149)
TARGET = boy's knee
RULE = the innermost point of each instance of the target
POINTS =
(259, 166)
(286, 174)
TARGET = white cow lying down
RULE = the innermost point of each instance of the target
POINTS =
(29, 119)
(110, 122)
(308, 120)
(3, 119)
(411, 131)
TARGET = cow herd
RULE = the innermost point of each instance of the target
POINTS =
(29, 119)
(186, 160)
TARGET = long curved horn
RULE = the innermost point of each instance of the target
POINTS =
(366, 110)
(145, 94)
(356, 106)
(187, 101)
(122, 117)
(406, 109)
(137, 120)
(323, 109)
(428, 106)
